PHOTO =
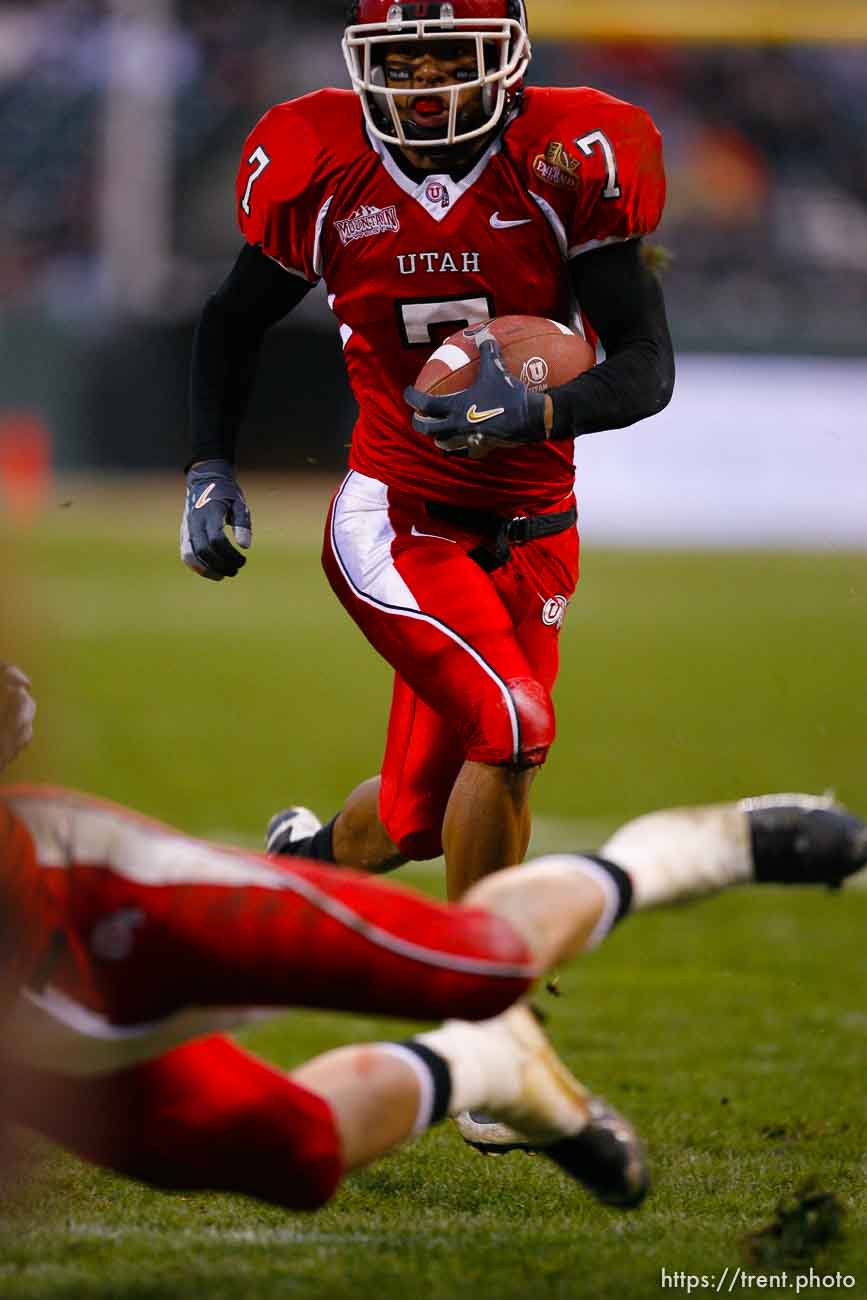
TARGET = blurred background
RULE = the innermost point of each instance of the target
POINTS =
(714, 649)
(121, 123)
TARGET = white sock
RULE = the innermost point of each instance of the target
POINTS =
(426, 1090)
(485, 1068)
(681, 853)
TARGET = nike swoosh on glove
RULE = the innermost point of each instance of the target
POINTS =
(497, 410)
(214, 499)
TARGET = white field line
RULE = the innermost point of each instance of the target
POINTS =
(206, 1237)
(186, 1236)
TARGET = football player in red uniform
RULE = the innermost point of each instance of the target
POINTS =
(441, 191)
(124, 945)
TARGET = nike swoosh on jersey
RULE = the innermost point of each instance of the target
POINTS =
(416, 532)
(499, 224)
(475, 416)
(205, 497)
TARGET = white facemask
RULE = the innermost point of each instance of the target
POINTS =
(379, 101)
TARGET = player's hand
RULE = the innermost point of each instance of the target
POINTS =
(497, 410)
(214, 499)
(17, 711)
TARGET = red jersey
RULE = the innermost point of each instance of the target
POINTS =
(408, 260)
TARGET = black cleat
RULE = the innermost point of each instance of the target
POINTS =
(289, 830)
(554, 1114)
(606, 1156)
(801, 839)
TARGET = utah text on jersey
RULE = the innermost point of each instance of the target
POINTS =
(409, 260)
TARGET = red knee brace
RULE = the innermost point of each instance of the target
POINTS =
(515, 725)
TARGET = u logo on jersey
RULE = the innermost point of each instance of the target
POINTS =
(436, 192)
(554, 611)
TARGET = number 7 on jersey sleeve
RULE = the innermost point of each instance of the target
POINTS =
(258, 160)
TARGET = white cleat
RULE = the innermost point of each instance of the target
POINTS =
(556, 1116)
(288, 829)
(482, 1131)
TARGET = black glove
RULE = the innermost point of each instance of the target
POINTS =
(498, 410)
(214, 499)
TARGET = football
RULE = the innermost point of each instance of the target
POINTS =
(541, 353)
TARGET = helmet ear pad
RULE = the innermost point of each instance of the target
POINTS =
(380, 102)
(377, 78)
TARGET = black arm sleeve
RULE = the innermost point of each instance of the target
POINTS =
(255, 295)
(623, 301)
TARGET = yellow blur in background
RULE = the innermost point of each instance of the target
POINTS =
(712, 20)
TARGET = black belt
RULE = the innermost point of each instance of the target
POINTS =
(501, 533)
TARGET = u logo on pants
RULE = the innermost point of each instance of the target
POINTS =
(474, 664)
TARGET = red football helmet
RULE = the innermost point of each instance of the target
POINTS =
(496, 30)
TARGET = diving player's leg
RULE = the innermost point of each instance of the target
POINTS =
(170, 919)
(560, 907)
(206, 1115)
(664, 857)
(383, 1093)
(209, 1116)
(557, 913)
(165, 922)
(671, 856)
(681, 853)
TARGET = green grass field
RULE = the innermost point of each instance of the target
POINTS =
(732, 1032)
